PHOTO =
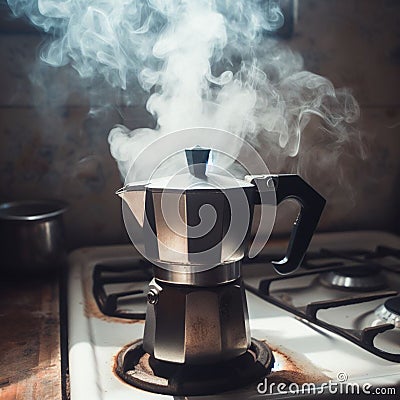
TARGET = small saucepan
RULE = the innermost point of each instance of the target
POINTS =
(32, 236)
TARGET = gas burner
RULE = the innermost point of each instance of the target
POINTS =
(138, 368)
(389, 311)
(360, 278)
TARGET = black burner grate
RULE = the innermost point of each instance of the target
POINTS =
(138, 368)
(316, 263)
(130, 281)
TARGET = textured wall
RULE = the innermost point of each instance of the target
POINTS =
(356, 44)
(58, 150)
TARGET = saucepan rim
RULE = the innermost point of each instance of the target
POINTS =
(32, 210)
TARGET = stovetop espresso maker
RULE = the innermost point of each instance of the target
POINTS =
(196, 228)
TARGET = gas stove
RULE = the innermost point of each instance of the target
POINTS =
(335, 320)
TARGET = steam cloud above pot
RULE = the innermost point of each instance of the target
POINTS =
(202, 63)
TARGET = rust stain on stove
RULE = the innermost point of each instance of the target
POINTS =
(92, 310)
(293, 368)
(144, 363)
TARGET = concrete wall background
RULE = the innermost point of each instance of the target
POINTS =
(57, 150)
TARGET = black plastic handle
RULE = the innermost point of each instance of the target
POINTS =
(312, 205)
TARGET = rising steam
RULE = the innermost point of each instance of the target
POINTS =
(206, 63)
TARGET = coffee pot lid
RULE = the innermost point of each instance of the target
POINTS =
(199, 175)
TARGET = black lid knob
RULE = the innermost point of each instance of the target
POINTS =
(197, 158)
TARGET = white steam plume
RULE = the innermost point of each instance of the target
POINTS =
(206, 63)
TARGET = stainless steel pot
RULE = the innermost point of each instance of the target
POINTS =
(32, 236)
(196, 226)
(201, 218)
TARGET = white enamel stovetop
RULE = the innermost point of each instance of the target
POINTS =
(95, 340)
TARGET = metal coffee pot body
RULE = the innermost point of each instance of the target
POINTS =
(196, 229)
(201, 219)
